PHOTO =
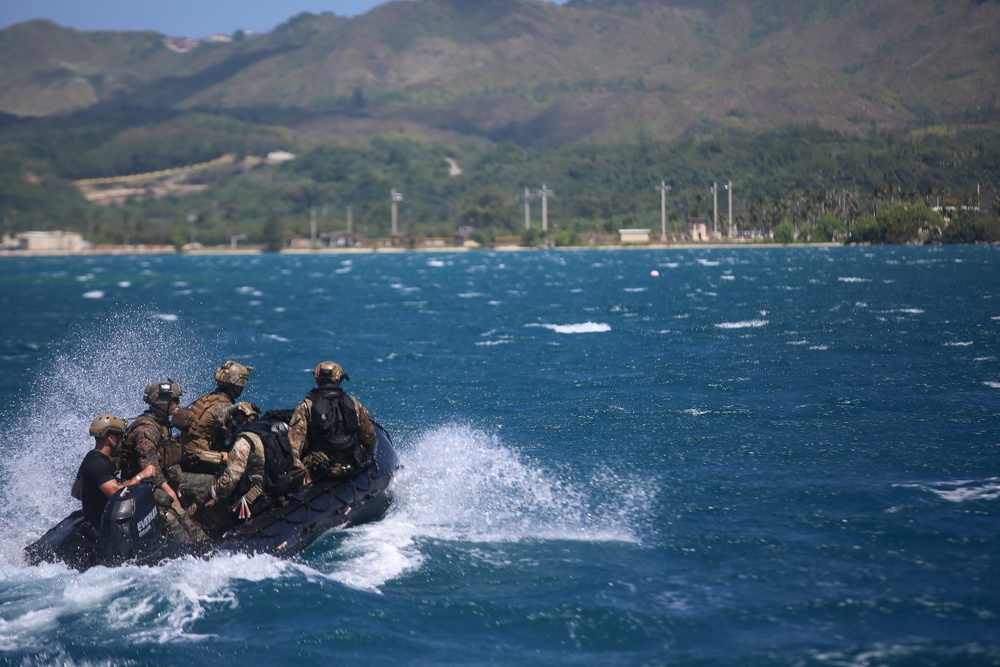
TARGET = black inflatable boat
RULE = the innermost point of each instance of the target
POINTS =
(132, 530)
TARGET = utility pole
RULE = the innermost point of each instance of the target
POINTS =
(312, 226)
(715, 209)
(544, 194)
(396, 198)
(729, 187)
(664, 189)
(527, 209)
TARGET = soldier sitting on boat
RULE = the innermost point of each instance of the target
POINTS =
(331, 432)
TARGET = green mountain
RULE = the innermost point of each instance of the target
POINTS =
(636, 83)
(541, 74)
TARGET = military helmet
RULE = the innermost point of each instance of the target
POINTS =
(106, 423)
(163, 391)
(233, 373)
(251, 410)
(329, 372)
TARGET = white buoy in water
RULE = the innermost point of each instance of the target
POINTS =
(654, 273)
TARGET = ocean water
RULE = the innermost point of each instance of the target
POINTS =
(759, 456)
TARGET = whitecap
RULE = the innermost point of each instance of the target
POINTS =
(707, 262)
(728, 277)
(124, 283)
(436, 263)
(93, 294)
(962, 490)
(636, 289)
(958, 343)
(746, 324)
(276, 337)
(166, 317)
(848, 279)
(584, 327)
(992, 383)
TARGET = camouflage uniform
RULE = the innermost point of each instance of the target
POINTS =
(203, 430)
(298, 438)
(244, 469)
(148, 441)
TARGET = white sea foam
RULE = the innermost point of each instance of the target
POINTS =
(166, 317)
(124, 283)
(962, 490)
(849, 279)
(708, 262)
(746, 324)
(584, 327)
(636, 289)
(993, 384)
(93, 294)
(107, 367)
(958, 343)
(463, 485)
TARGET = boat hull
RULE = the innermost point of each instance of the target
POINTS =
(128, 536)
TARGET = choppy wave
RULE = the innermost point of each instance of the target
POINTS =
(584, 327)
(745, 324)
(962, 490)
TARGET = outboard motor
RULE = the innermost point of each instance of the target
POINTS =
(131, 525)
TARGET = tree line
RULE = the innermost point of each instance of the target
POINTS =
(796, 183)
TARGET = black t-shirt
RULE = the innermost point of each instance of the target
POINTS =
(95, 470)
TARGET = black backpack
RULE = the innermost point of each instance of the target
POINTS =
(277, 452)
(333, 421)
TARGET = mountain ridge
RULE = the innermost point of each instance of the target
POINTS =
(611, 71)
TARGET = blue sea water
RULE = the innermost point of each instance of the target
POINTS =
(759, 456)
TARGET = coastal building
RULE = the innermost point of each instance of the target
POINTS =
(49, 242)
(634, 236)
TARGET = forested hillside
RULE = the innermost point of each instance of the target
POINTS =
(812, 109)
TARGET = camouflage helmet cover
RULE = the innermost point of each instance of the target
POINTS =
(251, 410)
(163, 391)
(329, 372)
(106, 423)
(233, 373)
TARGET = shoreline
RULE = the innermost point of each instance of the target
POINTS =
(170, 250)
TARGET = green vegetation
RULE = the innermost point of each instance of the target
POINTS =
(797, 183)
(600, 100)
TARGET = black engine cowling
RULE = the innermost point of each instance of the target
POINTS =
(131, 525)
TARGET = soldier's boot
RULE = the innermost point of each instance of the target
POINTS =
(192, 529)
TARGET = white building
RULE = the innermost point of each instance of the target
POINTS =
(50, 242)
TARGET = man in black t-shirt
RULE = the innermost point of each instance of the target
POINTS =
(97, 479)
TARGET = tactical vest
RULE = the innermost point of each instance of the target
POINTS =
(198, 436)
(167, 449)
(333, 421)
(277, 455)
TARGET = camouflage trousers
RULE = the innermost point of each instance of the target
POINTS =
(180, 526)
